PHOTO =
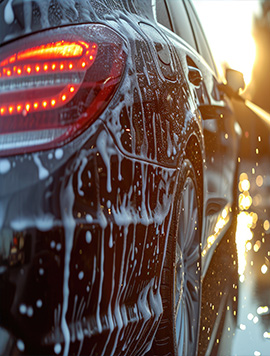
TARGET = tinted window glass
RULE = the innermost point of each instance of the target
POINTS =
(180, 20)
(202, 43)
(162, 14)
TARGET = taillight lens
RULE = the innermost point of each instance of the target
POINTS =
(54, 84)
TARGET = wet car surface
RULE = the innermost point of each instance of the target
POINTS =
(118, 176)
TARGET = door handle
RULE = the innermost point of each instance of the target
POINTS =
(195, 76)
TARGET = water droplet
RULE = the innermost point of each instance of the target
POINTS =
(20, 345)
(39, 303)
(30, 312)
(88, 237)
(57, 348)
(89, 218)
(59, 153)
(22, 308)
(4, 166)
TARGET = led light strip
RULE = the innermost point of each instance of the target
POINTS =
(71, 59)
(59, 65)
(40, 82)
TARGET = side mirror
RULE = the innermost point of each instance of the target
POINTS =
(235, 80)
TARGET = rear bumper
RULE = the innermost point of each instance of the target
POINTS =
(81, 251)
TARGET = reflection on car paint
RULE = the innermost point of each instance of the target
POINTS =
(222, 221)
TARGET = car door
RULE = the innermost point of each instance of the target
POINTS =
(217, 121)
(227, 127)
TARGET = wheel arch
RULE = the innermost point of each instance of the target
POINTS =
(193, 152)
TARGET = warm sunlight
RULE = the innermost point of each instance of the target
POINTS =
(228, 26)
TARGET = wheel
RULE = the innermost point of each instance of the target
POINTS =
(187, 288)
(181, 279)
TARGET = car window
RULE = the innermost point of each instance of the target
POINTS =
(202, 43)
(181, 22)
(162, 15)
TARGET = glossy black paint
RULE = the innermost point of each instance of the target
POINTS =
(84, 228)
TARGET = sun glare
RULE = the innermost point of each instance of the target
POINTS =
(228, 27)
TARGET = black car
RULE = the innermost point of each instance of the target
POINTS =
(118, 170)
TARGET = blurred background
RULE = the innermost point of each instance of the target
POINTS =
(239, 35)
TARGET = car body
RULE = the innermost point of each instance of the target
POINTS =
(115, 140)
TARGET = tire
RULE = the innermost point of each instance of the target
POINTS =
(181, 278)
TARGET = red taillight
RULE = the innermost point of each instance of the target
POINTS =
(54, 84)
(44, 61)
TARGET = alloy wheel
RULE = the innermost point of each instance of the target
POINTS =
(187, 291)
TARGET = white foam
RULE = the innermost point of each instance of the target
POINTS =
(8, 13)
(4, 166)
